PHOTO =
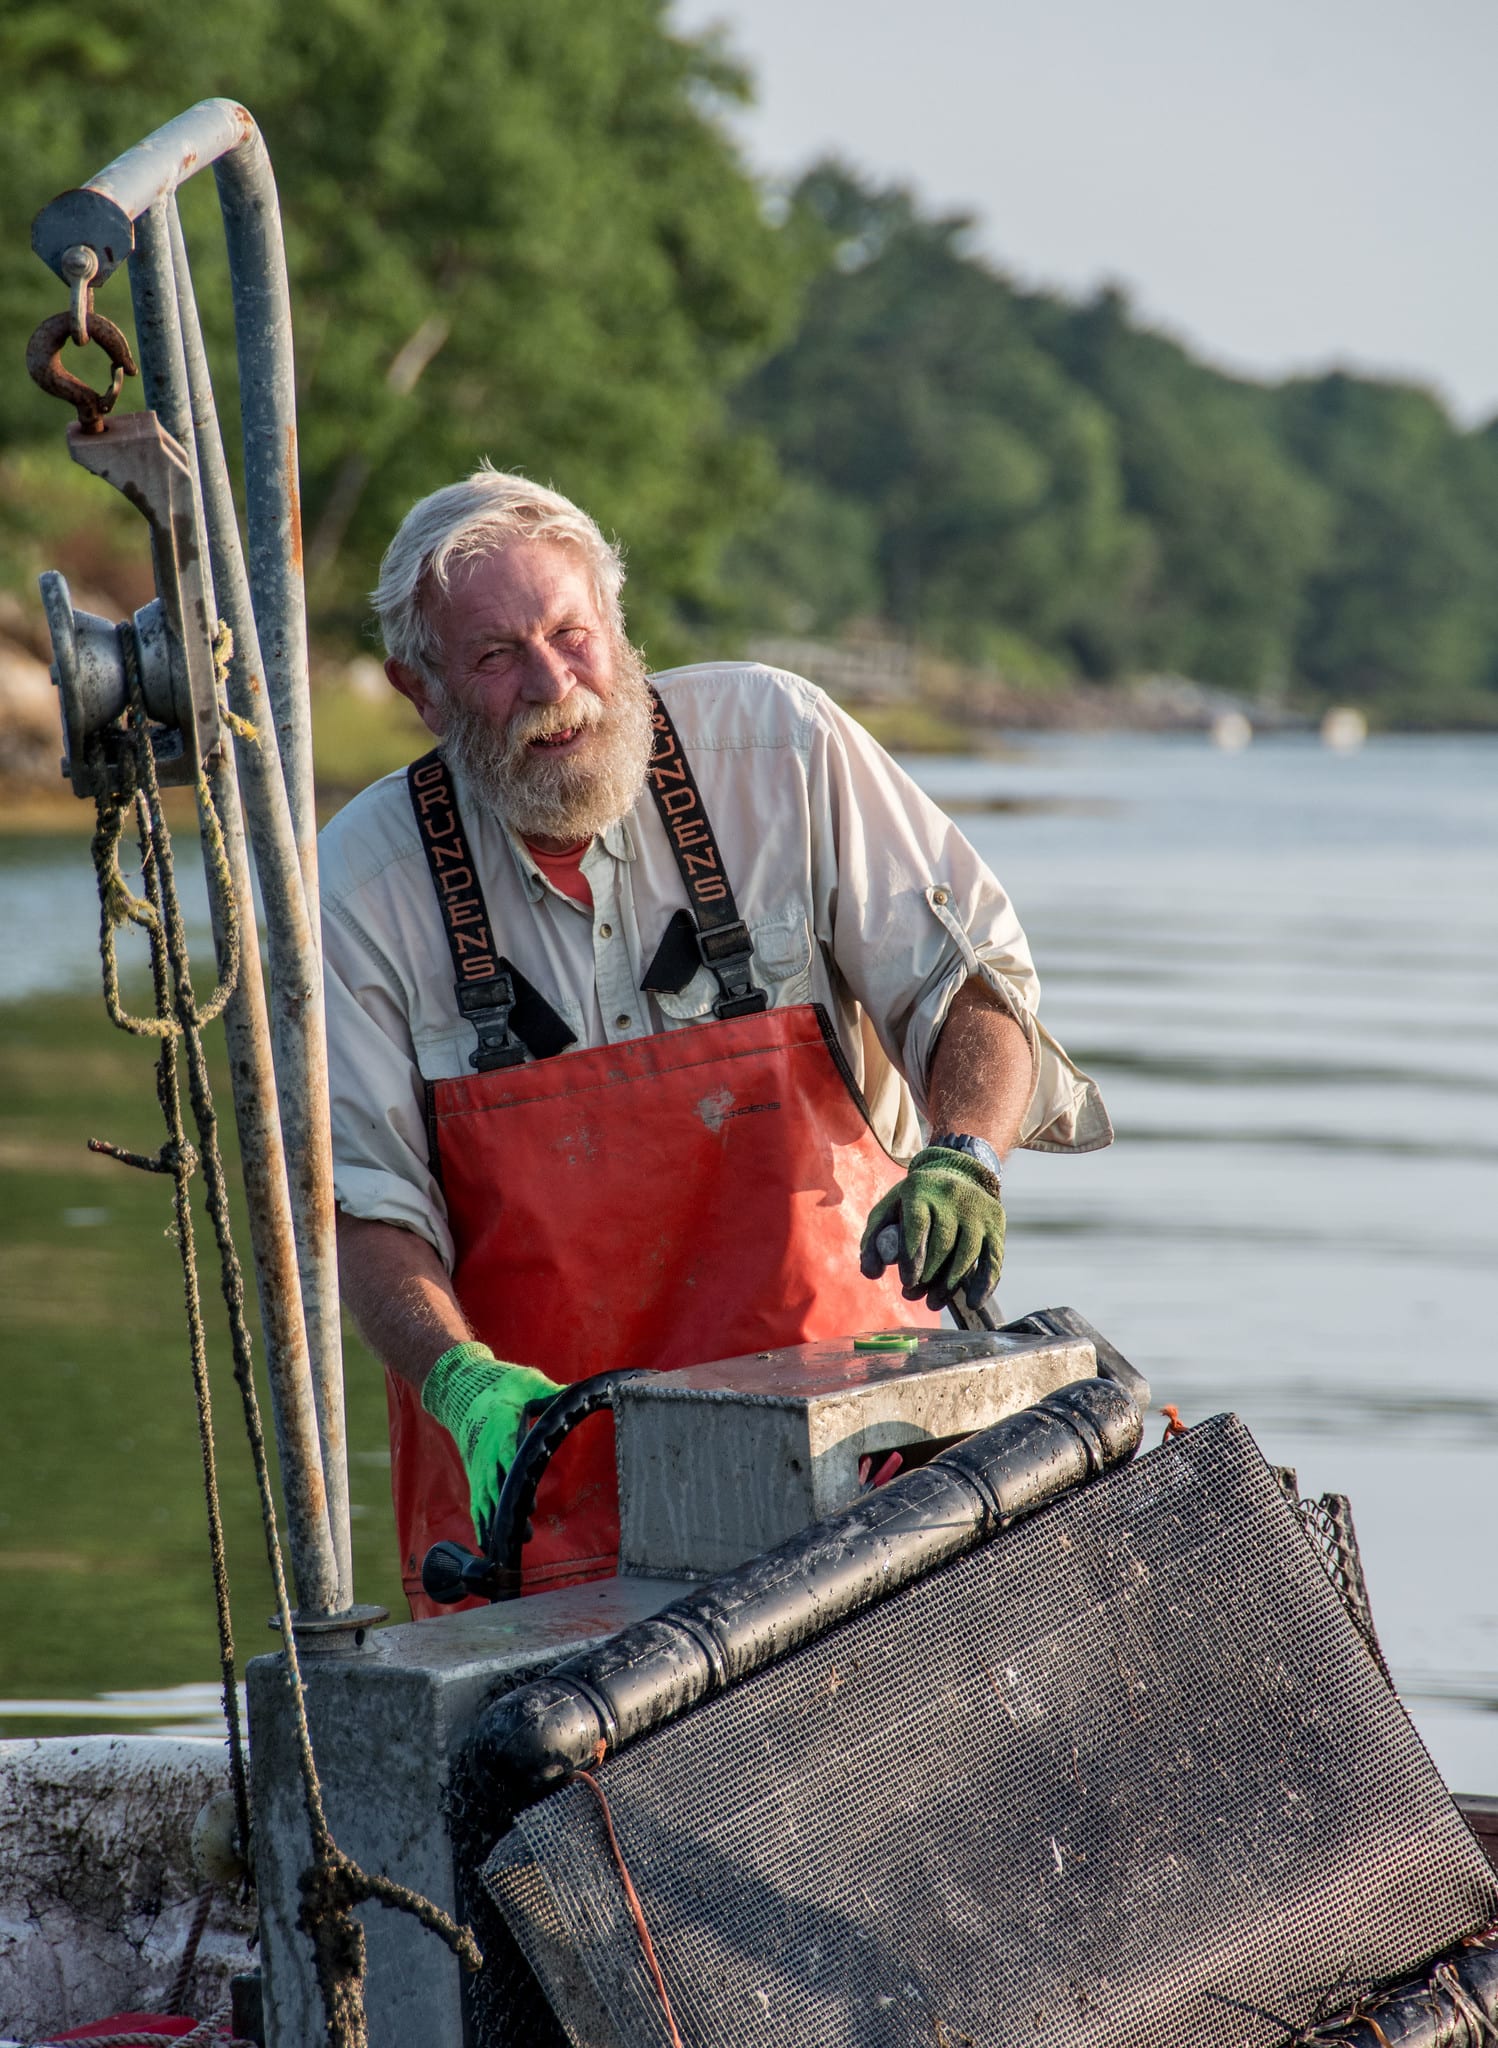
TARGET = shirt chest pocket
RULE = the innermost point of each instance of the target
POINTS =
(781, 967)
(443, 1051)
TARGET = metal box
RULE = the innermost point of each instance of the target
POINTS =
(719, 1462)
(386, 1720)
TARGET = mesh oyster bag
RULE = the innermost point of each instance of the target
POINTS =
(1126, 1776)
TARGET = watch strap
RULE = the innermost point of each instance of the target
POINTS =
(975, 1148)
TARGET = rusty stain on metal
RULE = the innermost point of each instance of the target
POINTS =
(294, 499)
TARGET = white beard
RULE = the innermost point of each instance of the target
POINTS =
(572, 796)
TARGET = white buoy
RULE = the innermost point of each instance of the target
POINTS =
(1231, 732)
(1344, 728)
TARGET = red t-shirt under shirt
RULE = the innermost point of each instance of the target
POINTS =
(564, 870)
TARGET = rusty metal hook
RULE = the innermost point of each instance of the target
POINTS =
(44, 366)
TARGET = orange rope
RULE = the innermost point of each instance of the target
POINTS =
(1173, 1423)
(636, 1909)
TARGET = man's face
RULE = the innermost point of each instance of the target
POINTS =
(541, 710)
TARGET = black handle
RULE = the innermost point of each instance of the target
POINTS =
(887, 1245)
(450, 1573)
(556, 1422)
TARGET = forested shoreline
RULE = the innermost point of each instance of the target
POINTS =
(524, 232)
(1044, 488)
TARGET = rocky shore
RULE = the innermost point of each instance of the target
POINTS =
(30, 742)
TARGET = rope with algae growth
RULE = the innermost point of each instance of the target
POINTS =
(334, 1884)
(223, 654)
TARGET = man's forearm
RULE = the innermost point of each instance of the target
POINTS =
(398, 1292)
(981, 1075)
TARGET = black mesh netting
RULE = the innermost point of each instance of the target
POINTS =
(504, 2003)
(1328, 1524)
(1125, 1776)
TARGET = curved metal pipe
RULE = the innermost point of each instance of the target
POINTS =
(127, 210)
(314, 1553)
(101, 215)
(449, 1572)
(298, 1026)
(272, 476)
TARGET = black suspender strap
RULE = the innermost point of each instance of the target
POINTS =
(722, 937)
(512, 1018)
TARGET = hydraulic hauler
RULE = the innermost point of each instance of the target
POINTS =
(1037, 1741)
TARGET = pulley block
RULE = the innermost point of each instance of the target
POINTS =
(171, 639)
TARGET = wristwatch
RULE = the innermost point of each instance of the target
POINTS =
(975, 1148)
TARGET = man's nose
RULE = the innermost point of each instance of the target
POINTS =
(548, 679)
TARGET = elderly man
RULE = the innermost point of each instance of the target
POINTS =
(638, 988)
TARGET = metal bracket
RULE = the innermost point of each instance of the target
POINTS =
(341, 1634)
(173, 635)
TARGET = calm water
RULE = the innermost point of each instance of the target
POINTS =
(1282, 966)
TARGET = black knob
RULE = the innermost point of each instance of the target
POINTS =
(450, 1573)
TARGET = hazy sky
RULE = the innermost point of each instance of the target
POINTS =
(1283, 185)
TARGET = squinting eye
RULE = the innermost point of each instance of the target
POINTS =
(572, 636)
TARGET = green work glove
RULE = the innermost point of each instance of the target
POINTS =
(479, 1400)
(949, 1216)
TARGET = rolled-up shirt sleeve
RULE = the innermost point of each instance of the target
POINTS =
(381, 1167)
(915, 914)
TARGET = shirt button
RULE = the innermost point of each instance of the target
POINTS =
(605, 931)
(938, 895)
(623, 1020)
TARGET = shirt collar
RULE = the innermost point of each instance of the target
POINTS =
(617, 841)
(525, 867)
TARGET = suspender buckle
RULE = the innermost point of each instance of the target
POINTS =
(727, 950)
(487, 1006)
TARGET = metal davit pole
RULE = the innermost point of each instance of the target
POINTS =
(127, 213)
(284, 859)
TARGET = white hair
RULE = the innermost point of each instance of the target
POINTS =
(486, 512)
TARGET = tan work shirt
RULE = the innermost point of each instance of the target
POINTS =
(858, 892)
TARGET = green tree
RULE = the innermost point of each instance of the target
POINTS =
(1400, 608)
(517, 231)
(1042, 474)
(1233, 524)
(913, 389)
(809, 564)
